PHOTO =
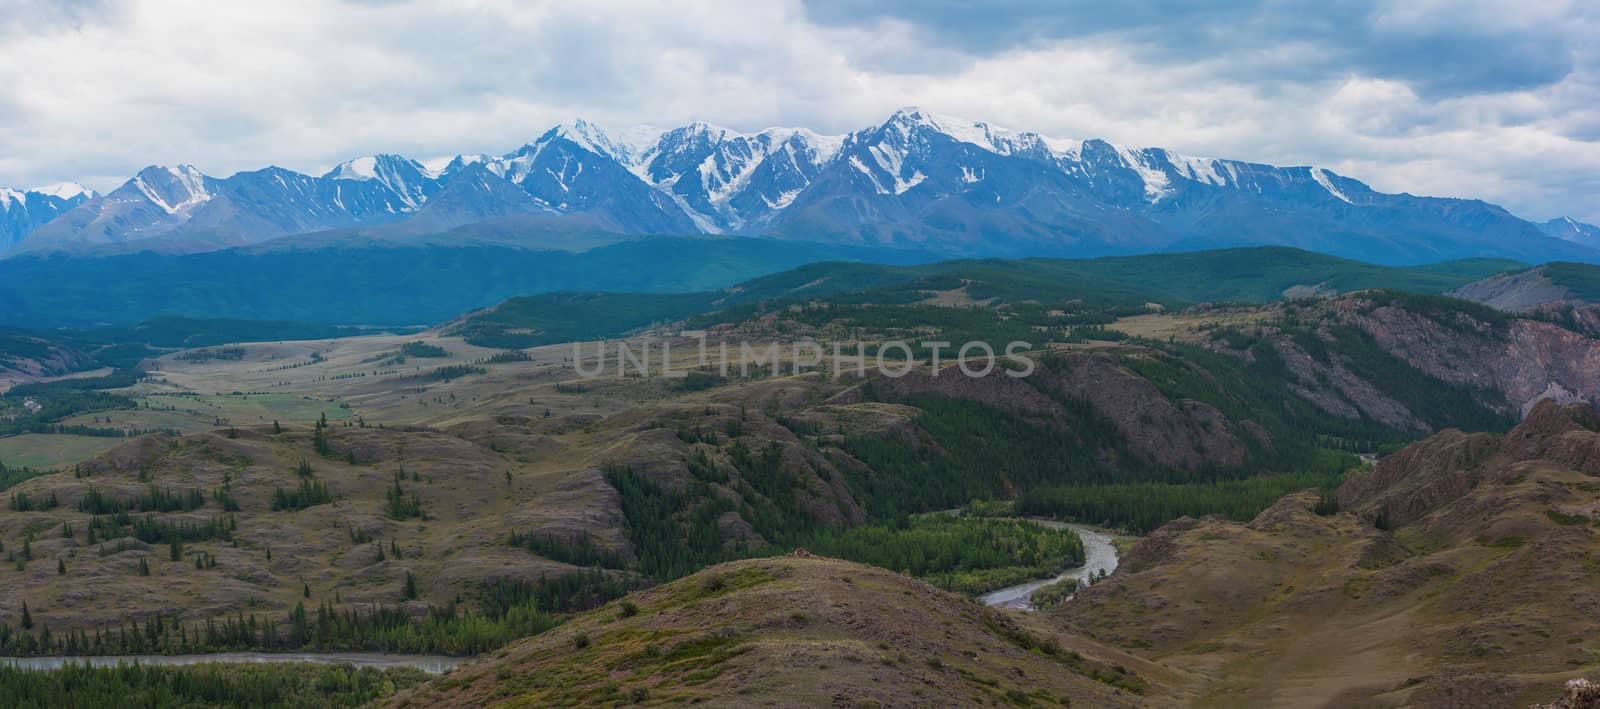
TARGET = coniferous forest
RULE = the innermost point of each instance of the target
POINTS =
(205, 685)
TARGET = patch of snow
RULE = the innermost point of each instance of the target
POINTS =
(863, 169)
(1321, 176)
(785, 199)
(192, 183)
(435, 166)
(900, 186)
(516, 166)
(358, 169)
(969, 176)
(497, 166)
(593, 139)
(826, 147)
(64, 190)
(1233, 175)
(891, 161)
(1197, 169)
(636, 141)
(1156, 183)
(701, 221)
(993, 138)
(1069, 150)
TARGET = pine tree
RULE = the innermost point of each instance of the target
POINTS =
(307, 590)
(411, 587)
(275, 427)
(27, 617)
(319, 436)
(61, 567)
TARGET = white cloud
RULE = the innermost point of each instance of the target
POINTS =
(95, 92)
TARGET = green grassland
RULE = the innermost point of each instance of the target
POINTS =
(53, 450)
(189, 413)
(207, 411)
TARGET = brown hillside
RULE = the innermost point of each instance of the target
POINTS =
(1463, 571)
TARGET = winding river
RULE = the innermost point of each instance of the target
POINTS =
(1099, 554)
(431, 664)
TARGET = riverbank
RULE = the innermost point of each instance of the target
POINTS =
(1100, 555)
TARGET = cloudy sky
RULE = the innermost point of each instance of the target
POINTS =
(1492, 99)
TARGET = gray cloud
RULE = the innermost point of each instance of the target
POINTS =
(1448, 54)
(1481, 98)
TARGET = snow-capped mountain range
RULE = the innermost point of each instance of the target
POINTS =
(918, 180)
(23, 211)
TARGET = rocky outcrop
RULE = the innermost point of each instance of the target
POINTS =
(1335, 389)
(1420, 478)
(1184, 434)
(1525, 361)
(1513, 292)
(1407, 484)
(1579, 694)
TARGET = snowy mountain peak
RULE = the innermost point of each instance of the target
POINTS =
(63, 193)
(1569, 229)
(375, 167)
(995, 139)
(464, 161)
(590, 137)
(174, 189)
(65, 190)
(407, 178)
(823, 147)
(8, 195)
(364, 168)
(909, 114)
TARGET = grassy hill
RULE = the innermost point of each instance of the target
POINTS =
(796, 631)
